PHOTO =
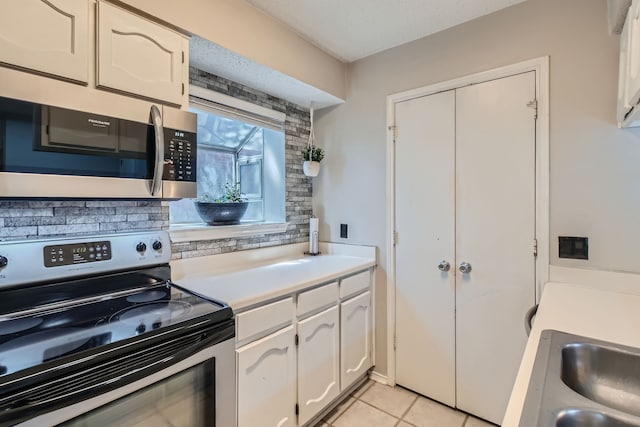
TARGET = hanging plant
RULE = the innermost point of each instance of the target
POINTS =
(312, 155)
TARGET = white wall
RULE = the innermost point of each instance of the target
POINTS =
(595, 167)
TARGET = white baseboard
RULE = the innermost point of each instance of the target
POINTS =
(378, 377)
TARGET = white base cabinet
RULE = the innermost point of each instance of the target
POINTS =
(267, 381)
(318, 362)
(296, 359)
(355, 338)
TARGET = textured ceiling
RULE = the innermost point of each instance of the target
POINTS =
(222, 62)
(353, 29)
(347, 29)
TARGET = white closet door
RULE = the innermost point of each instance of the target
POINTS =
(425, 298)
(495, 229)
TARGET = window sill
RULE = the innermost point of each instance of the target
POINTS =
(190, 233)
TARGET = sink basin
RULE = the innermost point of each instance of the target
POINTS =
(585, 418)
(582, 382)
(605, 375)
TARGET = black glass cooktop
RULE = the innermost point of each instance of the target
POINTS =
(48, 322)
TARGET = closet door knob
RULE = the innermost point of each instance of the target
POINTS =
(444, 265)
(464, 267)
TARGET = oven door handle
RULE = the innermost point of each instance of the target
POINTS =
(158, 166)
(67, 389)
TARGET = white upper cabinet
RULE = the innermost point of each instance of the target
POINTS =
(628, 112)
(632, 88)
(140, 57)
(47, 36)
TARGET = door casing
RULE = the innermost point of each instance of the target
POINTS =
(541, 68)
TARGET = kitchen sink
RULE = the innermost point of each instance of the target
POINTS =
(582, 382)
(603, 374)
(586, 418)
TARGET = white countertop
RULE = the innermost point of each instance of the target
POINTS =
(246, 278)
(603, 306)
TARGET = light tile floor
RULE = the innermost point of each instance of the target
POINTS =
(378, 405)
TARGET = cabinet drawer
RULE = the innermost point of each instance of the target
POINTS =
(354, 284)
(268, 317)
(317, 298)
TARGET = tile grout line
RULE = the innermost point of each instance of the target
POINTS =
(385, 412)
(404, 414)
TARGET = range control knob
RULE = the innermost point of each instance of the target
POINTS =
(141, 247)
(3, 369)
(141, 328)
(3, 261)
(157, 245)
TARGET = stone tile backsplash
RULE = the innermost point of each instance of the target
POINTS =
(21, 219)
(37, 218)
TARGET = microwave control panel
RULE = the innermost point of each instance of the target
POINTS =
(179, 155)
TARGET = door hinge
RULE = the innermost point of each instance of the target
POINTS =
(534, 104)
(395, 342)
(535, 247)
(296, 340)
(392, 128)
(183, 88)
(183, 56)
(395, 237)
(297, 409)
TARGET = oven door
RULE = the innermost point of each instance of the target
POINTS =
(196, 392)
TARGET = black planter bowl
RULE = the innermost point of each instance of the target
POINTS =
(221, 213)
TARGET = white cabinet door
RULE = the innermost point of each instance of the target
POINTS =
(355, 338)
(318, 362)
(267, 381)
(632, 42)
(50, 36)
(138, 56)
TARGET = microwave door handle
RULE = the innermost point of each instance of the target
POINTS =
(156, 181)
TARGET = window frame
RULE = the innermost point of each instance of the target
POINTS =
(202, 98)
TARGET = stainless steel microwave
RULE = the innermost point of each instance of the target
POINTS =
(51, 152)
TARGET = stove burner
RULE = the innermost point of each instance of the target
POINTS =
(152, 315)
(12, 326)
(147, 296)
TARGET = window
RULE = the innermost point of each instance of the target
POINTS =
(238, 142)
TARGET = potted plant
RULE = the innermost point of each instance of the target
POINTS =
(224, 210)
(312, 155)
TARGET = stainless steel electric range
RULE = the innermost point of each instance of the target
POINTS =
(94, 333)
